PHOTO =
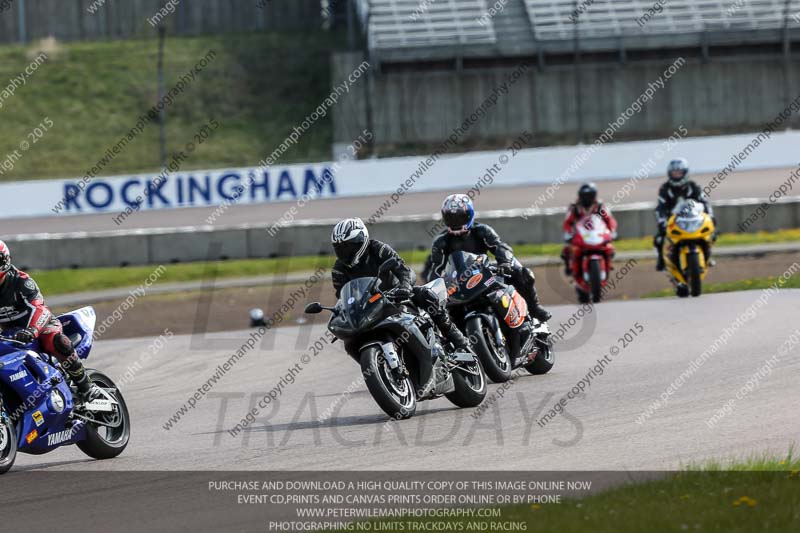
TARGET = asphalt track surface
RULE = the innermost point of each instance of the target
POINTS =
(598, 432)
(750, 184)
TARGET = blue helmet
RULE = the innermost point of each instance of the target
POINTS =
(458, 213)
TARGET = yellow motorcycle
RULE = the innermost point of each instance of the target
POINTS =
(690, 236)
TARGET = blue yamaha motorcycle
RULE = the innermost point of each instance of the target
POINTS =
(40, 412)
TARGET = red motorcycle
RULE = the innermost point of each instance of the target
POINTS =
(592, 253)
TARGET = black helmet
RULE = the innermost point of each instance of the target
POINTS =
(678, 172)
(350, 239)
(458, 213)
(587, 194)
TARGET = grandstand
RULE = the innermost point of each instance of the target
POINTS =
(437, 60)
(405, 30)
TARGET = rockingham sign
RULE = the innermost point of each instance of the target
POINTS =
(455, 173)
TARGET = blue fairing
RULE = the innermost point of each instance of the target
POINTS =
(36, 396)
(80, 322)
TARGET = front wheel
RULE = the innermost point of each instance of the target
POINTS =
(495, 358)
(108, 437)
(546, 359)
(595, 280)
(8, 443)
(394, 394)
(695, 280)
(470, 383)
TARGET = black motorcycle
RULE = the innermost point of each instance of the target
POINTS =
(404, 358)
(494, 315)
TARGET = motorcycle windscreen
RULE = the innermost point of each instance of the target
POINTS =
(462, 275)
(355, 290)
(459, 262)
(592, 230)
(356, 302)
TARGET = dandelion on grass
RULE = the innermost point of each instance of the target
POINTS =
(745, 500)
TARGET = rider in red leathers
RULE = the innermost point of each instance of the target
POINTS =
(587, 204)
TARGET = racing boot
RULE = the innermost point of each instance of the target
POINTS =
(567, 266)
(458, 339)
(540, 313)
(535, 306)
(87, 391)
(450, 331)
(658, 244)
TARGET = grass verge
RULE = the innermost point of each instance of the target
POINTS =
(761, 494)
(66, 281)
(733, 286)
(258, 86)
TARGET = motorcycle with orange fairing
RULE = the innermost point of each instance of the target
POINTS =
(495, 317)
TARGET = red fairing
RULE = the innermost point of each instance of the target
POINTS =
(577, 212)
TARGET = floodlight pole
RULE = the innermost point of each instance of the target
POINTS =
(162, 116)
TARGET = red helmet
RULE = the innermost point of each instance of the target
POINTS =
(5, 260)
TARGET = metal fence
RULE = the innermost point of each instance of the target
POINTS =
(71, 20)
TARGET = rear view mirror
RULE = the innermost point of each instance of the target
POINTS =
(313, 308)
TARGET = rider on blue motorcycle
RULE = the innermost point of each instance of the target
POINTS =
(22, 307)
(358, 256)
(464, 234)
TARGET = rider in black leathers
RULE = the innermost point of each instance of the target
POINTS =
(464, 234)
(678, 187)
(359, 256)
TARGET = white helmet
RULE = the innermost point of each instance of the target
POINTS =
(678, 172)
(350, 239)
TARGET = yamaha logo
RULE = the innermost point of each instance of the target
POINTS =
(19, 375)
(58, 438)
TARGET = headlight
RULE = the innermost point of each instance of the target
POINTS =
(689, 225)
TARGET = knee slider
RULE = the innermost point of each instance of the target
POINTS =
(526, 275)
(62, 345)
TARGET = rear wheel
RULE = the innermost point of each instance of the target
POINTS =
(110, 435)
(495, 359)
(595, 280)
(8, 443)
(394, 394)
(694, 273)
(470, 383)
(546, 359)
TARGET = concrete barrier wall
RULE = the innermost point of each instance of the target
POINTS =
(145, 247)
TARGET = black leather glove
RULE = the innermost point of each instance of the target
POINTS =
(403, 292)
(505, 269)
(26, 336)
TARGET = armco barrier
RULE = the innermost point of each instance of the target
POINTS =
(164, 246)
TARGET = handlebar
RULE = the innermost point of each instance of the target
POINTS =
(7, 339)
(392, 295)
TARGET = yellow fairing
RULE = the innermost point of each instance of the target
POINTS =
(686, 242)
